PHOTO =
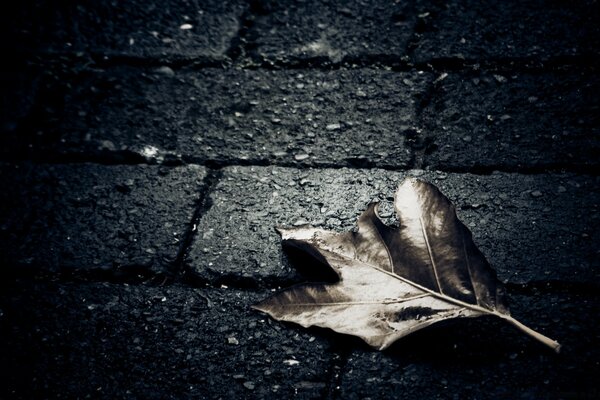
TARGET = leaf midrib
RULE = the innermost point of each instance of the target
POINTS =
(358, 303)
(441, 296)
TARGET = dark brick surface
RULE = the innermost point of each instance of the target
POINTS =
(514, 121)
(487, 30)
(144, 166)
(309, 117)
(132, 29)
(447, 362)
(120, 341)
(18, 92)
(525, 224)
(72, 217)
(330, 30)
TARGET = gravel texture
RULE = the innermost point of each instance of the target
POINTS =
(120, 341)
(524, 224)
(180, 29)
(349, 117)
(513, 121)
(329, 31)
(93, 217)
(148, 150)
(485, 358)
(488, 30)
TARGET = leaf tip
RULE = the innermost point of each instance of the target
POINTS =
(258, 306)
(285, 233)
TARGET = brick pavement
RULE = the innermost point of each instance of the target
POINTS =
(149, 149)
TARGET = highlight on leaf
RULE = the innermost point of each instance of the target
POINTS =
(395, 281)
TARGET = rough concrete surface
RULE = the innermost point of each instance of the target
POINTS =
(308, 117)
(329, 30)
(515, 120)
(148, 150)
(484, 30)
(446, 362)
(180, 29)
(97, 217)
(196, 343)
(524, 224)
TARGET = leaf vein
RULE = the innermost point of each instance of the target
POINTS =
(359, 303)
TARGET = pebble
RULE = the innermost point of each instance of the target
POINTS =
(167, 71)
(233, 341)
(536, 193)
(301, 156)
(249, 385)
(333, 127)
(562, 189)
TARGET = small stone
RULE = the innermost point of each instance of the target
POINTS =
(300, 222)
(249, 385)
(536, 193)
(562, 189)
(301, 156)
(232, 340)
(107, 145)
(467, 138)
(346, 11)
(164, 70)
(441, 77)
(291, 362)
(500, 78)
(186, 27)
(333, 127)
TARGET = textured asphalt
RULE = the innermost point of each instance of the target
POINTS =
(148, 150)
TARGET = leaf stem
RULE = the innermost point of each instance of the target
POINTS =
(554, 345)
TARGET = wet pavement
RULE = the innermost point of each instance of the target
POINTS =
(148, 150)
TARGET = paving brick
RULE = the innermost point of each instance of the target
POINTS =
(330, 30)
(94, 217)
(338, 117)
(486, 358)
(489, 30)
(120, 341)
(514, 121)
(18, 88)
(181, 29)
(526, 225)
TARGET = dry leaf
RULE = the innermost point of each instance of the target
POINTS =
(395, 281)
